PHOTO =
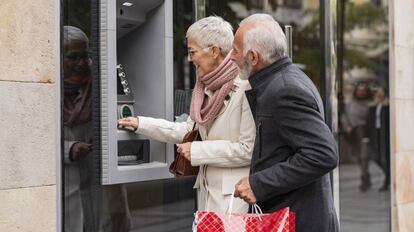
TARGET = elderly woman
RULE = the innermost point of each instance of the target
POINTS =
(84, 200)
(221, 112)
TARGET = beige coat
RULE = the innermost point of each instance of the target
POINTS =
(224, 154)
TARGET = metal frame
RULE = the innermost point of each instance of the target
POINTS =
(111, 172)
(58, 131)
(328, 9)
(288, 33)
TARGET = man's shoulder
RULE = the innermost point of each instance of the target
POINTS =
(291, 84)
(290, 79)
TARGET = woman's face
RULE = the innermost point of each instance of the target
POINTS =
(76, 63)
(202, 58)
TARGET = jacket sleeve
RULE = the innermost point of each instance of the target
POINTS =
(299, 124)
(226, 153)
(67, 149)
(163, 130)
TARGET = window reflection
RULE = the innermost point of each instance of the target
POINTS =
(364, 117)
(168, 205)
(77, 118)
(88, 206)
(302, 15)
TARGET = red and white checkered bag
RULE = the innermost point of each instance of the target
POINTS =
(279, 221)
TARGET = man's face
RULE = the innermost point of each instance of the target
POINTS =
(237, 55)
(361, 92)
(246, 71)
(380, 94)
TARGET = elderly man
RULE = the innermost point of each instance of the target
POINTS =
(294, 149)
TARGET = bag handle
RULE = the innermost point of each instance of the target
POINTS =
(256, 208)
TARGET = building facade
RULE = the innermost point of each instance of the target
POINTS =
(32, 175)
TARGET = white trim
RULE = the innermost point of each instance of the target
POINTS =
(392, 118)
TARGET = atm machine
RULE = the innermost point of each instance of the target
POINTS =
(136, 71)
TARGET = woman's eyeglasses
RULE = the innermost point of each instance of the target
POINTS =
(77, 56)
(191, 53)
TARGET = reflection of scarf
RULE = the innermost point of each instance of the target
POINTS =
(77, 104)
(220, 82)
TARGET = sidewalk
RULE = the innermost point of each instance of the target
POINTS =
(363, 211)
(360, 212)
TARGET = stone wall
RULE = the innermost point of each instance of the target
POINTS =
(27, 116)
(402, 112)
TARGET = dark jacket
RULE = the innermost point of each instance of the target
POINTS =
(379, 137)
(294, 149)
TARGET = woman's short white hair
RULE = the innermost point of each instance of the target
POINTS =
(212, 30)
(265, 36)
(72, 35)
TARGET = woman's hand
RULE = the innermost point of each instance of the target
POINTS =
(185, 150)
(80, 150)
(129, 122)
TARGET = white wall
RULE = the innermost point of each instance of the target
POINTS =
(402, 112)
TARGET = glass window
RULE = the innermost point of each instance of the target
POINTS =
(82, 194)
(364, 171)
(303, 16)
(162, 205)
(168, 205)
(184, 72)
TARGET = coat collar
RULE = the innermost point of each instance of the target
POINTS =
(259, 78)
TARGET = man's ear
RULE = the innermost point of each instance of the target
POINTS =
(253, 57)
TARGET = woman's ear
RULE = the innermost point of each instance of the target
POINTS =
(216, 51)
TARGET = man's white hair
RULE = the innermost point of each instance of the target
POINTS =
(212, 30)
(265, 36)
(73, 34)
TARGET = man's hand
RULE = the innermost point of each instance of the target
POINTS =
(244, 191)
(129, 122)
(185, 150)
(80, 150)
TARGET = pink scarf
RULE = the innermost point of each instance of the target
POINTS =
(219, 81)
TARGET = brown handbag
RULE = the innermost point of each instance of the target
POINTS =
(181, 166)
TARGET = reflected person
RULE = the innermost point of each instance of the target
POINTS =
(88, 205)
(354, 121)
(294, 149)
(81, 198)
(378, 131)
(220, 111)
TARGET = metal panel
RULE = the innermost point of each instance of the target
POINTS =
(58, 123)
(147, 55)
(329, 83)
(288, 32)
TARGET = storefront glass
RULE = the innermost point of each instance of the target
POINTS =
(169, 204)
(161, 205)
(364, 171)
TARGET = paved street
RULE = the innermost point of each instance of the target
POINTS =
(363, 212)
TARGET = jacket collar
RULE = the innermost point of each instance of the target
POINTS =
(259, 77)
